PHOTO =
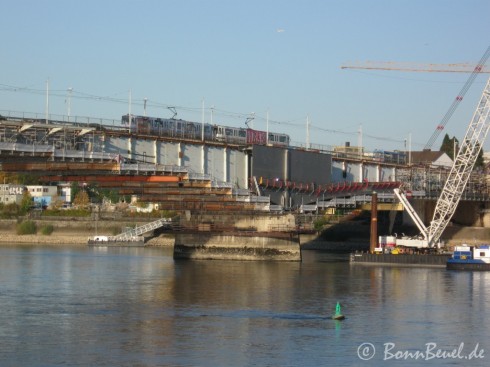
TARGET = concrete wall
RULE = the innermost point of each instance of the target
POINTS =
(207, 246)
(258, 222)
(230, 165)
(222, 163)
(192, 157)
(215, 165)
(298, 166)
(269, 162)
(360, 171)
(309, 167)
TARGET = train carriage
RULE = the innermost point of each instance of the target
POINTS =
(193, 130)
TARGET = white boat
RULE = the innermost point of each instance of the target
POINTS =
(110, 241)
(470, 258)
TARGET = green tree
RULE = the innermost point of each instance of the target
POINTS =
(75, 189)
(448, 145)
(479, 164)
(26, 203)
(111, 195)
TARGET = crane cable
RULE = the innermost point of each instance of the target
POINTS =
(477, 70)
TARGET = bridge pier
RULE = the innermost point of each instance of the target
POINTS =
(214, 246)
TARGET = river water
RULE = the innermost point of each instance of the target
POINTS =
(77, 306)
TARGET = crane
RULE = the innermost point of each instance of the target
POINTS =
(416, 67)
(443, 68)
(458, 177)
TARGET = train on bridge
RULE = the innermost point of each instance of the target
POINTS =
(145, 125)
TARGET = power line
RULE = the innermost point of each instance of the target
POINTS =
(296, 123)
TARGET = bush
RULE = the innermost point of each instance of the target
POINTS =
(27, 227)
(10, 210)
(66, 213)
(47, 229)
(116, 230)
(319, 223)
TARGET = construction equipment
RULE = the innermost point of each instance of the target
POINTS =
(417, 67)
(457, 179)
(479, 68)
(458, 99)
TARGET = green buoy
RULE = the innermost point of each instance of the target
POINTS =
(338, 314)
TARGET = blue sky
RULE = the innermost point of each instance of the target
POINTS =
(244, 57)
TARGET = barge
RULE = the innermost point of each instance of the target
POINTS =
(400, 259)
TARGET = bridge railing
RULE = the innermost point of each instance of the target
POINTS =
(26, 148)
(56, 118)
(82, 154)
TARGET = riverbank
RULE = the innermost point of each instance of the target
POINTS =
(72, 231)
(76, 232)
(74, 239)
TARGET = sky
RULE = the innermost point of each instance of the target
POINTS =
(230, 60)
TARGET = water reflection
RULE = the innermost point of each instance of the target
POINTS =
(72, 306)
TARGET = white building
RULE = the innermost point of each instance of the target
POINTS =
(65, 192)
(42, 191)
(11, 193)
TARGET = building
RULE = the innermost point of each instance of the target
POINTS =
(11, 194)
(431, 158)
(42, 195)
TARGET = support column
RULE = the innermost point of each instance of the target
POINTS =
(246, 173)
(155, 152)
(286, 177)
(203, 159)
(374, 223)
(180, 154)
(225, 164)
(130, 148)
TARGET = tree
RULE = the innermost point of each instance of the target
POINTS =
(26, 203)
(448, 146)
(81, 199)
(56, 202)
(18, 178)
(479, 164)
(75, 189)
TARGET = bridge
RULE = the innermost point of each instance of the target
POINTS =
(182, 173)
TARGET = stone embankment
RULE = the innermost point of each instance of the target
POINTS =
(71, 231)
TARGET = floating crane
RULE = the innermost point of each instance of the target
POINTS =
(468, 152)
(457, 179)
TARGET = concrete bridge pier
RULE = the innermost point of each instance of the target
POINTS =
(215, 246)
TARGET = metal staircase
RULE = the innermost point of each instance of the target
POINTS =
(134, 234)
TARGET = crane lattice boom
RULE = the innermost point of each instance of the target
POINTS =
(414, 67)
(479, 68)
(463, 165)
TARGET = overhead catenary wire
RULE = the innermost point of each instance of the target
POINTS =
(294, 123)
